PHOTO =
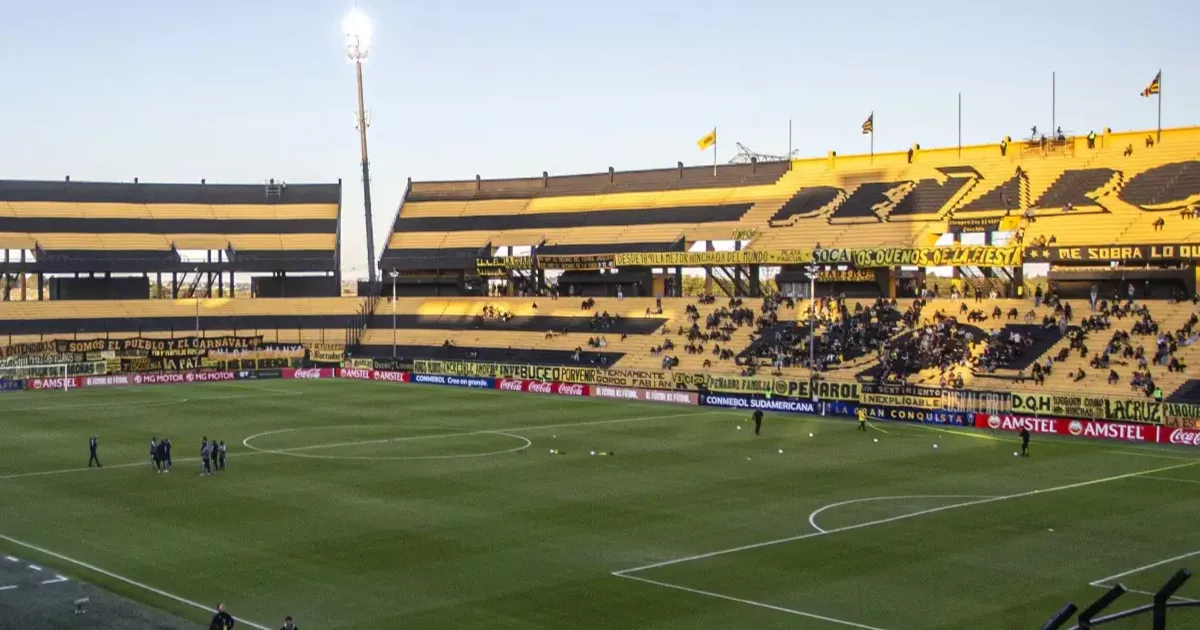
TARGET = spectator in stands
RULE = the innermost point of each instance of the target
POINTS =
(1037, 296)
(1149, 141)
(1128, 150)
(910, 154)
(1003, 148)
(1159, 223)
(1091, 139)
(1113, 377)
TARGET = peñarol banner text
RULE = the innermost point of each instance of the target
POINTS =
(645, 379)
(1102, 408)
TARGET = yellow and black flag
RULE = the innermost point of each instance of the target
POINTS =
(707, 140)
(869, 124)
(1155, 86)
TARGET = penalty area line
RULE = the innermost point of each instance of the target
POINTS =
(901, 517)
(749, 602)
(121, 578)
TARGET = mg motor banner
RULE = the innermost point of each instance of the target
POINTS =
(648, 395)
(168, 378)
(454, 381)
(539, 387)
(1100, 429)
(1183, 437)
(308, 373)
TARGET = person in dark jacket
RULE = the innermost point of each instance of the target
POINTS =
(221, 620)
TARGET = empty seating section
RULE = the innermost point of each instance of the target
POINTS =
(512, 328)
(1072, 186)
(805, 202)
(99, 217)
(1164, 184)
(996, 198)
(927, 197)
(285, 319)
(862, 202)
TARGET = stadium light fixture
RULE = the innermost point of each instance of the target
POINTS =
(394, 274)
(812, 270)
(197, 270)
(358, 30)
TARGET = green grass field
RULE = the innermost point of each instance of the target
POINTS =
(365, 505)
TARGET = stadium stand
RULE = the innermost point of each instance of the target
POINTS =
(282, 320)
(98, 251)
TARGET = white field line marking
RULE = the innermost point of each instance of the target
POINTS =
(11, 558)
(34, 567)
(8, 588)
(526, 443)
(56, 580)
(1148, 566)
(246, 442)
(812, 518)
(121, 578)
(1134, 590)
(790, 611)
(63, 471)
(1145, 453)
(902, 517)
(1173, 479)
(264, 393)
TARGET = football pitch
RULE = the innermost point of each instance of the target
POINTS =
(356, 505)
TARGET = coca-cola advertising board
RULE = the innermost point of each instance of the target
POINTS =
(1182, 437)
(1100, 429)
(542, 387)
(307, 374)
(676, 397)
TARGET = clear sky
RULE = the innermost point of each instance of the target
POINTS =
(245, 90)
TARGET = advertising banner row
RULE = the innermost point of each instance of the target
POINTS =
(645, 379)
(1101, 429)
(1013, 422)
(1100, 408)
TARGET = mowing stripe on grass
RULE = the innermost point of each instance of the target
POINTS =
(64, 471)
(121, 578)
(883, 521)
(750, 602)
(414, 438)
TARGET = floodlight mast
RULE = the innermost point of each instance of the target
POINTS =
(358, 30)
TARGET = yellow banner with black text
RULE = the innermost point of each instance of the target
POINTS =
(645, 379)
(1103, 408)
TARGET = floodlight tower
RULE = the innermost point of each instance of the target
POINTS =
(357, 27)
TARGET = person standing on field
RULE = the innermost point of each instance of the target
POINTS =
(93, 445)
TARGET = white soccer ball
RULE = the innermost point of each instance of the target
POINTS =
(810, 435)
(876, 440)
(781, 451)
(935, 446)
(1016, 454)
(739, 427)
(593, 452)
